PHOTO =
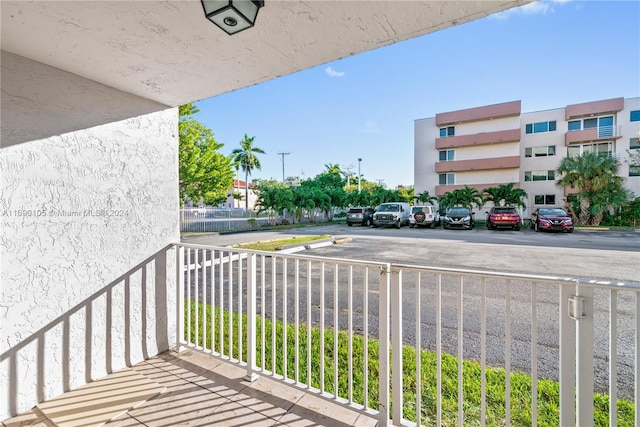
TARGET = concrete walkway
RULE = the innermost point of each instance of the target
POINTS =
(200, 390)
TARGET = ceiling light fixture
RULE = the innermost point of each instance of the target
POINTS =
(232, 16)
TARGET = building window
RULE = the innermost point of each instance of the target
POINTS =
(540, 127)
(634, 170)
(447, 155)
(446, 178)
(448, 131)
(540, 175)
(604, 125)
(634, 143)
(599, 148)
(575, 125)
(544, 151)
(634, 116)
(544, 199)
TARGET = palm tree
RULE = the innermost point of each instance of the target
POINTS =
(466, 197)
(595, 176)
(425, 197)
(245, 158)
(506, 195)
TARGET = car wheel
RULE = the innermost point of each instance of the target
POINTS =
(516, 227)
(399, 224)
(349, 224)
(570, 230)
(412, 225)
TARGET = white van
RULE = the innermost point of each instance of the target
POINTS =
(392, 213)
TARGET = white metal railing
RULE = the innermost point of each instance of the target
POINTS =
(609, 131)
(206, 219)
(317, 323)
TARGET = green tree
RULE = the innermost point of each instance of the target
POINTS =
(246, 159)
(466, 197)
(425, 197)
(598, 185)
(506, 195)
(273, 198)
(205, 175)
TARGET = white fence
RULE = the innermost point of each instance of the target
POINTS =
(215, 219)
(395, 340)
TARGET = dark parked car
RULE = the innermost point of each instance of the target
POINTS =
(362, 216)
(459, 217)
(503, 217)
(551, 219)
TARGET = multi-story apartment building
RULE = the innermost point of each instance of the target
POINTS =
(497, 144)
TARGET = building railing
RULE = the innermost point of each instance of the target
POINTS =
(359, 332)
(609, 131)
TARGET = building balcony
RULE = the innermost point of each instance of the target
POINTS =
(478, 164)
(485, 138)
(601, 133)
(594, 108)
(286, 339)
(487, 112)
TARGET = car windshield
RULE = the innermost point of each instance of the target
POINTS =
(458, 211)
(355, 210)
(554, 212)
(504, 211)
(389, 208)
(416, 209)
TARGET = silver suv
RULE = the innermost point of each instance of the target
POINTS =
(423, 216)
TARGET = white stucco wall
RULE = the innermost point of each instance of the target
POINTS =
(88, 285)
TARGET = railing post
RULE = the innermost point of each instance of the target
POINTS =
(396, 346)
(567, 368)
(384, 286)
(179, 296)
(584, 360)
(251, 318)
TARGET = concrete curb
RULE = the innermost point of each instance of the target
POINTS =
(314, 245)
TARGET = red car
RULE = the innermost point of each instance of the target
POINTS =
(503, 217)
(551, 219)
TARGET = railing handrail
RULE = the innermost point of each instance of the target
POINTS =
(443, 270)
(263, 285)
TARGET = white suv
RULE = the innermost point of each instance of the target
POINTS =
(422, 216)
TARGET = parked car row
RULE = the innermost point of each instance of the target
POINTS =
(398, 214)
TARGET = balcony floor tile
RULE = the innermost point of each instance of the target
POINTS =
(202, 390)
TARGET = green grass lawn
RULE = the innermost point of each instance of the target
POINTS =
(548, 391)
(275, 245)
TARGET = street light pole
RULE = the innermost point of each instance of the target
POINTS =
(359, 186)
(283, 154)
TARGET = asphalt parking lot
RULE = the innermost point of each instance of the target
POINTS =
(601, 254)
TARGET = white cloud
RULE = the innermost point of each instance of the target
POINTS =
(333, 73)
(371, 127)
(541, 7)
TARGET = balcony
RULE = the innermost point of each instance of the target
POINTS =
(488, 112)
(282, 338)
(601, 133)
(491, 163)
(485, 138)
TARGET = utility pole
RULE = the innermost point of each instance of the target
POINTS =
(359, 186)
(283, 154)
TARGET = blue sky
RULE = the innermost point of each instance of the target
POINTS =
(548, 54)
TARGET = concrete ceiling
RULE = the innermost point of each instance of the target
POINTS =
(68, 65)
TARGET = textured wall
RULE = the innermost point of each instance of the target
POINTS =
(87, 280)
